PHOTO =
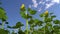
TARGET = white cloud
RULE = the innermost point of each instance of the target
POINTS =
(47, 0)
(56, 1)
(35, 4)
(41, 2)
(49, 5)
(52, 3)
(34, 1)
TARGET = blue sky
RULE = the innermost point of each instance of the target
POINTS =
(12, 8)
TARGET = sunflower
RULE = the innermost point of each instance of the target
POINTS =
(46, 12)
(22, 7)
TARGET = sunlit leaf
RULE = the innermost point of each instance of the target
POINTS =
(3, 16)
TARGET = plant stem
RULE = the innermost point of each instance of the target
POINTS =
(27, 26)
(44, 30)
(2, 25)
(44, 21)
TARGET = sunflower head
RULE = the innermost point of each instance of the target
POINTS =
(46, 12)
(22, 7)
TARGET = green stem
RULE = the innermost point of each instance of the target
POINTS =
(44, 21)
(27, 26)
(44, 30)
(2, 25)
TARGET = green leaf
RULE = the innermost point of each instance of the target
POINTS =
(18, 25)
(23, 14)
(28, 16)
(49, 24)
(29, 9)
(53, 16)
(56, 27)
(41, 15)
(3, 16)
(46, 15)
(9, 26)
(21, 32)
(32, 12)
(38, 22)
(2, 31)
(56, 21)
(47, 20)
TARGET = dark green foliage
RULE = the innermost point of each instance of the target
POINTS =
(21, 32)
(9, 27)
(18, 25)
(41, 15)
(31, 21)
(13, 32)
(32, 12)
(25, 16)
(2, 31)
(3, 16)
(56, 21)
(38, 22)
(56, 29)
(46, 15)
(47, 20)
(53, 16)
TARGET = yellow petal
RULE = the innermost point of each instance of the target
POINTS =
(46, 12)
(22, 6)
